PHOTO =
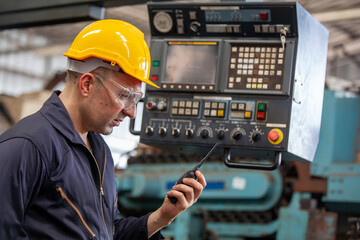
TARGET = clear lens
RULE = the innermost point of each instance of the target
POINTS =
(123, 96)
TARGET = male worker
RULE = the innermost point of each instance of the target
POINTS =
(56, 172)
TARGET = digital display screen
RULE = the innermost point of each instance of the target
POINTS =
(191, 64)
(233, 15)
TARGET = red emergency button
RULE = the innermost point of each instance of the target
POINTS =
(273, 135)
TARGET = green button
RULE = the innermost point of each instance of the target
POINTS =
(261, 106)
(156, 63)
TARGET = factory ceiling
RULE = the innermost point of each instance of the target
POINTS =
(342, 18)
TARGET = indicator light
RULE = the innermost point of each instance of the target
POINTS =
(220, 113)
(261, 106)
(154, 77)
(264, 15)
(260, 115)
(156, 63)
(151, 105)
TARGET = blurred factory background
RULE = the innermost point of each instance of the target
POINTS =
(300, 201)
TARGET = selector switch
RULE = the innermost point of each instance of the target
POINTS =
(221, 134)
(189, 133)
(149, 130)
(162, 131)
(194, 26)
(204, 133)
(255, 136)
(237, 135)
(175, 132)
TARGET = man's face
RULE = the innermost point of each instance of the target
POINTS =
(107, 113)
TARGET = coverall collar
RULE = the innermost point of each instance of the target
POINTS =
(60, 119)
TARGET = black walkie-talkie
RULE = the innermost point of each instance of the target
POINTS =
(191, 173)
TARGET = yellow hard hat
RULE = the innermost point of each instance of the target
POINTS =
(117, 42)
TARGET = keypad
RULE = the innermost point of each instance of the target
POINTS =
(214, 109)
(256, 67)
(185, 108)
(242, 110)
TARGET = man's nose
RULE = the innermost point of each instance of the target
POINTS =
(130, 112)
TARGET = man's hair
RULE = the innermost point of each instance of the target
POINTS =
(72, 76)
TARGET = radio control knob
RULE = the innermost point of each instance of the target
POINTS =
(189, 132)
(162, 131)
(161, 105)
(237, 135)
(175, 132)
(149, 130)
(221, 134)
(204, 133)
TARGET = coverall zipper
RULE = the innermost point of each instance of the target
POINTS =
(101, 185)
(63, 195)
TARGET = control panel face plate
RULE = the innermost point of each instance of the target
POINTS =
(205, 119)
(227, 72)
(223, 73)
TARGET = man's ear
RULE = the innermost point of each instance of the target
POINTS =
(86, 83)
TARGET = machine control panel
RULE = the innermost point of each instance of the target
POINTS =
(205, 119)
(234, 72)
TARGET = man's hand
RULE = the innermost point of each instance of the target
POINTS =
(187, 194)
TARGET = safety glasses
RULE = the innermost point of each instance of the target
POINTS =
(122, 95)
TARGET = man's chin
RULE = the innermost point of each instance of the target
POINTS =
(107, 130)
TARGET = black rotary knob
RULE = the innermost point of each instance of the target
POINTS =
(255, 136)
(162, 131)
(237, 135)
(204, 133)
(221, 134)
